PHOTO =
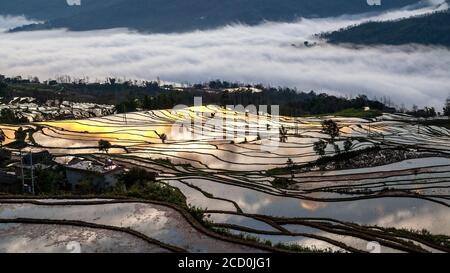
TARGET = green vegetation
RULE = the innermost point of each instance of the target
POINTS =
(436, 122)
(337, 158)
(446, 110)
(139, 183)
(86, 186)
(104, 145)
(199, 214)
(427, 112)
(330, 128)
(136, 176)
(280, 182)
(282, 246)
(50, 180)
(304, 249)
(2, 138)
(128, 105)
(440, 240)
(151, 15)
(358, 113)
(429, 29)
(163, 137)
(130, 96)
(319, 147)
(3, 87)
(5, 158)
(157, 191)
(20, 135)
(348, 145)
(10, 117)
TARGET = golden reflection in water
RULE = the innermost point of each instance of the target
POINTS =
(9, 131)
(312, 205)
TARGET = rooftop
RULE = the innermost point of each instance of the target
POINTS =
(93, 167)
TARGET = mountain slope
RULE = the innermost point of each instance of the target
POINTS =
(51, 9)
(433, 29)
(183, 15)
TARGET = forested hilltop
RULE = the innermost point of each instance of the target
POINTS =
(132, 95)
(432, 29)
(180, 15)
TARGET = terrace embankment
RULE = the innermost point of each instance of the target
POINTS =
(367, 158)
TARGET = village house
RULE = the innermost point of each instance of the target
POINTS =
(9, 182)
(102, 176)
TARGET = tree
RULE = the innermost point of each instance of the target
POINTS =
(163, 137)
(447, 110)
(430, 112)
(330, 128)
(348, 145)
(291, 166)
(283, 134)
(3, 87)
(112, 81)
(319, 147)
(49, 180)
(2, 138)
(104, 145)
(9, 116)
(86, 186)
(20, 135)
(290, 163)
(137, 176)
(337, 149)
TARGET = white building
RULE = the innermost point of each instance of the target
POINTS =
(102, 176)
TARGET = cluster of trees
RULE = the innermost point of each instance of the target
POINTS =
(447, 109)
(185, 15)
(129, 95)
(428, 29)
(2, 138)
(20, 135)
(10, 117)
(291, 101)
(50, 180)
(331, 128)
(427, 112)
(139, 183)
(136, 176)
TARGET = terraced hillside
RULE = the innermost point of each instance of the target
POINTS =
(255, 175)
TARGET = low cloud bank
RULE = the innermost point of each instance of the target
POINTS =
(8, 22)
(272, 53)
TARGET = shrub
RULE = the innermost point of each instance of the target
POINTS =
(280, 182)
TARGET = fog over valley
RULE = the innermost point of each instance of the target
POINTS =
(271, 53)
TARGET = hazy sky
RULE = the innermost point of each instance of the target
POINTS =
(261, 54)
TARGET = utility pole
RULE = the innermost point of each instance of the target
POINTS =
(21, 168)
(125, 114)
(32, 172)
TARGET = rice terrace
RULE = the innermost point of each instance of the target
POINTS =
(254, 131)
(263, 190)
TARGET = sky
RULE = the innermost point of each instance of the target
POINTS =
(270, 53)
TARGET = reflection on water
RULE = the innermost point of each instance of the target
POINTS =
(312, 205)
(389, 211)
